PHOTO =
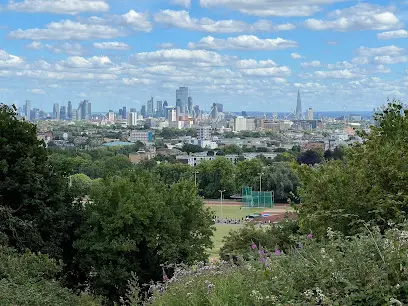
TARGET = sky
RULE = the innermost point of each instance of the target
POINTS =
(251, 55)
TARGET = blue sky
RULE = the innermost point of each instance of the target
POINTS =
(249, 55)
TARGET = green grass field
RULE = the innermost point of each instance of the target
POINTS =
(221, 230)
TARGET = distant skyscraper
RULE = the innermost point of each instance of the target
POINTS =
(310, 115)
(220, 107)
(111, 116)
(214, 111)
(63, 112)
(132, 119)
(83, 110)
(182, 99)
(143, 111)
(159, 109)
(150, 108)
(124, 112)
(74, 115)
(69, 110)
(299, 114)
(196, 111)
(56, 112)
(28, 110)
(165, 111)
(133, 110)
(244, 114)
(190, 106)
(89, 110)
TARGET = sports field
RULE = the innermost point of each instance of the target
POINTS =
(234, 211)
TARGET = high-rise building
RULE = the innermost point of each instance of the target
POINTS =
(74, 116)
(220, 107)
(159, 109)
(28, 110)
(182, 99)
(172, 117)
(69, 110)
(89, 110)
(133, 110)
(196, 111)
(63, 112)
(111, 116)
(310, 115)
(132, 119)
(150, 108)
(244, 114)
(240, 124)
(83, 110)
(203, 132)
(124, 112)
(35, 114)
(165, 112)
(143, 111)
(56, 112)
(299, 114)
(190, 106)
(214, 111)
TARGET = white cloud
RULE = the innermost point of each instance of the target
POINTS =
(393, 34)
(67, 30)
(58, 6)
(185, 3)
(67, 48)
(271, 7)
(251, 63)
(166, 45)
(296, 56)
(112, 45)
(243, 42)
(8, 60)
(133, 81)
(363, 16)
(35, 45)
(332, 43)
(360, 60)
(37, 91)
(182, 19)
(265, 72)
(180, 56)
(81, 62)
(341, 65)
(338, 74)
(137, 21)
(387, 50)
(387, 59)
(311, 64)
(382, 69)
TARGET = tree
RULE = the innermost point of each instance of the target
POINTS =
(29, 279)
(191, 148)
(247, 172)
(309, 157)
(282, 180)
(369, 186)
(35, 204)
(173, 173)
(134, 224)
(231, 149)
(218, 174)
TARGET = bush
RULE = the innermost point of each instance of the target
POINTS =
(368, 269)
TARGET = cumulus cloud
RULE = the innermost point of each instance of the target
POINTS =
(312, 64)
(112, 45)
(296, 56)
(386, 50)
(182, 19)
(81, 62)
(136, 20)
(393, 34)
(67, 48)
(363, 16)
(37, 91)
(339, 74)
(271, 7)
(387, 59)
(67, 30)
(134, 81)
(8, 60)
(58, 6)
(35, 45)
(185, 3)
(266, 72)
(243, 42)
(341, 65)
(251, 63)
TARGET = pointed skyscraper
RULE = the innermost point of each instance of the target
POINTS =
(299, 114)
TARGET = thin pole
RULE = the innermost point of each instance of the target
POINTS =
(221, 191)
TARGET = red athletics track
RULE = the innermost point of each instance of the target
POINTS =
(236, 203)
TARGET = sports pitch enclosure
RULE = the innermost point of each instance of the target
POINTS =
(256, 199)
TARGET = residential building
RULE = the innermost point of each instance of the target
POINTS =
(132, 119)
(240, 124)
(139, 156)
(250, 124)
(203, 132)
(310, 115)
(142, 136)
(74, 115)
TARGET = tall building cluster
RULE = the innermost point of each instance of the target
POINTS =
(83, 112)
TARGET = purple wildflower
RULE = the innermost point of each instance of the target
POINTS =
(261, 252)
(310, 236)
(253, 246)
(262, 260)
(277, 252)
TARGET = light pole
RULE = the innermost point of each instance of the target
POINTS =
(221, 191)
(195, 177)
(260, 181)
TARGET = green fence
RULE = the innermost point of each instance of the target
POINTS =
(257, 199)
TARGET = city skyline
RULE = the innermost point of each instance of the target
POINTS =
(244, 55)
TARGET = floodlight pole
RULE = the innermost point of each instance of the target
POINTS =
(221, 191)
